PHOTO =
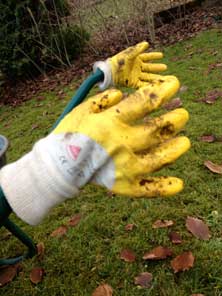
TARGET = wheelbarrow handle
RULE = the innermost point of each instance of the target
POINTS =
(81, 94)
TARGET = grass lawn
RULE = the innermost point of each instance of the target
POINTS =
(88, 254)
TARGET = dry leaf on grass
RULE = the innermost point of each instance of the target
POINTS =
(129, 227)
(34, 126)
(103, 290)
(40, 250)
(207, 138)
(144, 280)
(158, 253)
(36, 275)
(175, 238)
(211, 97)
(162, 223)
(74, 220)
(198, 228)
(127, 255)
(215, 168)
(60, 231)
(173, 104)
(183, 262)
(8, 273)
(183, 88)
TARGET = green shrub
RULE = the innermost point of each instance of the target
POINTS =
(72, 40)
(33, 37)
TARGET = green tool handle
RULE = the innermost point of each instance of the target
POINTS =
(24, 238)
(81, 93)
(5, 208)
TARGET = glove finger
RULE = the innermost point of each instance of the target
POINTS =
(104, 100)
(156, 130)
(133, 51)
(145, 99)
(149, 56)
(164, 154)
(151, 187)
(146, 79)
(153, 67)
(151, 78)
(158, 186)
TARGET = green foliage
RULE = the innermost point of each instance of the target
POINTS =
(33, 37)
(68, 43)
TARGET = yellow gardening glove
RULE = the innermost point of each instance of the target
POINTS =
(131, 67)
(100, 142)
(131, 152)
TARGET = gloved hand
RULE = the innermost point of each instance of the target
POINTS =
(96, 143)
(131, 67)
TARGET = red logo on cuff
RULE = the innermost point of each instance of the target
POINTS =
(74, 151)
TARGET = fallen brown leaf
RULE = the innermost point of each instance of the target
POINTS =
(34, 126)
(60, 231)
(208, 138)
(192, 68)
(158, 253)
(129, 227)
(110, 194)
(60, 92)
(162, 223)
(210, 100)
(215, 168)
(173, 104)
(7, 274)
(211, 97)
(183, 88)
(183, 262)
(128, 255)
(38, 105)
(198, 228)
(212, 67)
(74, 220)
(103, 290)
(36, 275)
(40, 250)
(175, 237)
(144, 280)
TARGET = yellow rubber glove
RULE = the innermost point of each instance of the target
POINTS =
(134, 150)
(131, 67)
(100, 142)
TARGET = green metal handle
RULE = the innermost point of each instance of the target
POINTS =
(24, 238)
(5, 211)
(5, 208)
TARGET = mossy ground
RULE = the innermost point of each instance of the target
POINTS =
(89, 254)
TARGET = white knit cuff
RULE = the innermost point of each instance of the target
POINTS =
(105, 67)
(32, 188)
